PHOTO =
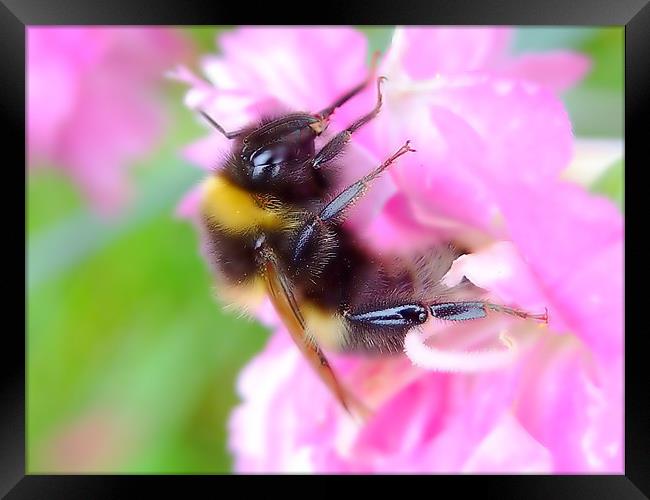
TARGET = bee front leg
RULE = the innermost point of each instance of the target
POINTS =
(327, 112)
(336, 145)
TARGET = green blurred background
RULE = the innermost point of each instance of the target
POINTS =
(131, 364)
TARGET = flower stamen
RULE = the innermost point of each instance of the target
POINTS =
(433, 358)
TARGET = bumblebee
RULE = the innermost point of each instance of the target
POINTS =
(272, 218)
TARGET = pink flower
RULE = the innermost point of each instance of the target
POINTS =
(492, 139)
(92, 108)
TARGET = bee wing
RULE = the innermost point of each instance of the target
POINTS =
(284, 301)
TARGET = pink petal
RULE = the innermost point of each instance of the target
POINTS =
(131, 121)
(557, 70)
(188, 207)
(439, 178)
(47, 75)
(304, 68)
(509, 449)
(395, 230)
(500, 269)
(525, 129)
(207, 152)
(468, 132)
(476, 405)
(572, 407)
(592, 299)
(414, 416)
(287, 423)
(200, 87)
(572, 242)
(92, 104)
(107, 188)
(435, 423)
(260, 385)
(425, 52)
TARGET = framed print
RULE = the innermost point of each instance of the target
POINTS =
(389, 248)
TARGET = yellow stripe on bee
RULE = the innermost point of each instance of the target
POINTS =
(323, 326)
(245, 296)
(234, 209)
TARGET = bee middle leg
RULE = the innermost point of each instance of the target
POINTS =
(315, 227)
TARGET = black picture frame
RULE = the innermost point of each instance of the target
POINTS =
(16, 15)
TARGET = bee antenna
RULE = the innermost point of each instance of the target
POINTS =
(227, 135)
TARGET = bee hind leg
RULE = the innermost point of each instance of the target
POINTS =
(463, 311)
(382, 329)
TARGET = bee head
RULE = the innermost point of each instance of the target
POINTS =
(280, 151)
